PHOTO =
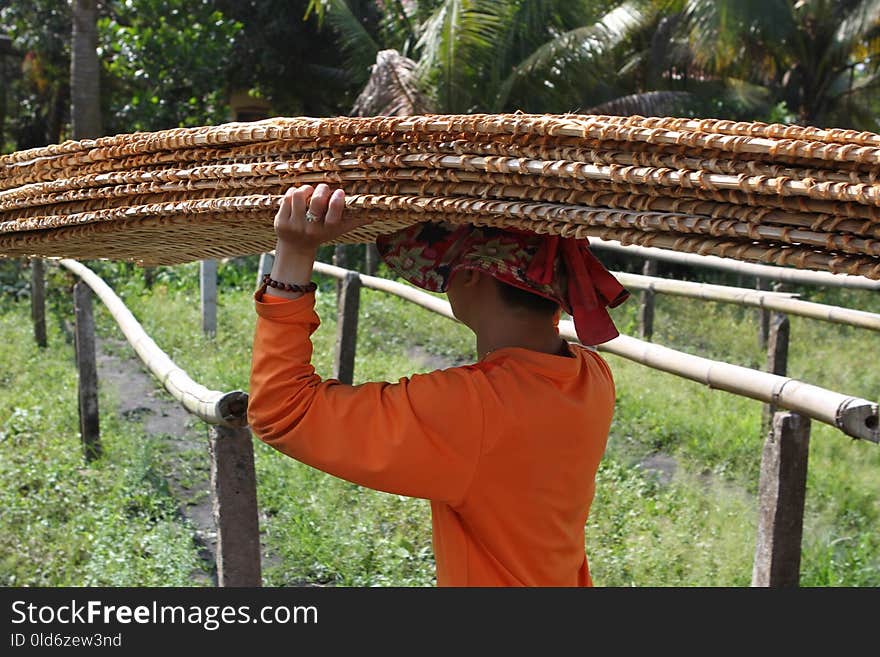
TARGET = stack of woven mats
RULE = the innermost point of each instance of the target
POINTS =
(785, 195)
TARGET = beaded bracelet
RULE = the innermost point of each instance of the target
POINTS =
(287, 287)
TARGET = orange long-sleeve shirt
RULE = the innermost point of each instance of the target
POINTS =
(506, 450)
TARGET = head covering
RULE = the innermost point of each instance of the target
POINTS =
(557, 268)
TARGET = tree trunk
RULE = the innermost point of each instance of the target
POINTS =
(85, 72)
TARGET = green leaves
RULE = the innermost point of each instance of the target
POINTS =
(167, 62)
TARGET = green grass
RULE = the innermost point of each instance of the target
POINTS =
(64, 523)
(696, 530)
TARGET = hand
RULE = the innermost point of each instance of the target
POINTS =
(296, 233)
(299, 239)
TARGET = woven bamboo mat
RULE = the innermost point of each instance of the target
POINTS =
(786, 195)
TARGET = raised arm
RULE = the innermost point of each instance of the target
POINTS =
(419, 437)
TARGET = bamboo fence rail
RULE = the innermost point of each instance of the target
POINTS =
(779, 301)
(854, 416)
(226, 409)
(785, 195)
(781, 274)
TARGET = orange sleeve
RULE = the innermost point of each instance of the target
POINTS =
(420, 437)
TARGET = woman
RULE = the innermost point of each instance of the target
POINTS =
(505, 449)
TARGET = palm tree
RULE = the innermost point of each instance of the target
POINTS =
(492, 55)
(821, 57)
(737, 58)
(85, 71)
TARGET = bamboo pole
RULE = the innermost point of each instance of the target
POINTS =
(779, 301)
(782, 274)
(219, 408)
(783, 302)
(854, 416)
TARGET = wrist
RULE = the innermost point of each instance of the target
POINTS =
(295, 250)
(293, 265)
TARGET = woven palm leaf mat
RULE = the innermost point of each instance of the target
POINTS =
(785, 195)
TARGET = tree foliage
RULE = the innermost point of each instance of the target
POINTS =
(173, 63)
(167, 63)
(35, 75)
(284, 57)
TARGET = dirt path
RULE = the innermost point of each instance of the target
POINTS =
(185, 447)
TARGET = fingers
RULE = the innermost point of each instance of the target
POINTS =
(300, 201)
(284, 208)
(313, 215)
(318, 202)
(335, 206)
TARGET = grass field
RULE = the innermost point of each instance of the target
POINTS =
(117, 522)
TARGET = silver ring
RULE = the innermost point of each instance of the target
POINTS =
(311, 216)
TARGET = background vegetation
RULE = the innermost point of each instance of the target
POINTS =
(676, 496)
(676, 493)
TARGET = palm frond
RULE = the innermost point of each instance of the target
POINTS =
(721, 30)
(582, 44)
(649, 103)
(454, 43)
(863, 18)
(393, 89)
(745, 93)
(358, 47)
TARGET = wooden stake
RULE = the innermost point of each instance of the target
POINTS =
(371, 260)
(87, 370)
(763, 318)
(38, 300)
(646, 304)
(149, 277)
(777, 360)
(265, 266)
(234, 494)
(208, 285)
(340, 259)
(346, 328)
(782, 491)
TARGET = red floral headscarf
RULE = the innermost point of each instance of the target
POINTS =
(561, 269)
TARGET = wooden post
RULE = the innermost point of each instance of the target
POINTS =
(208, 286)
(38, 300)
(346, 328)
(265, 266)
(371, 259)
(340, 259)
(234, 496)
(782, 491)
(89, 426)
(763, 318)
(777, 359)
(646, 304)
